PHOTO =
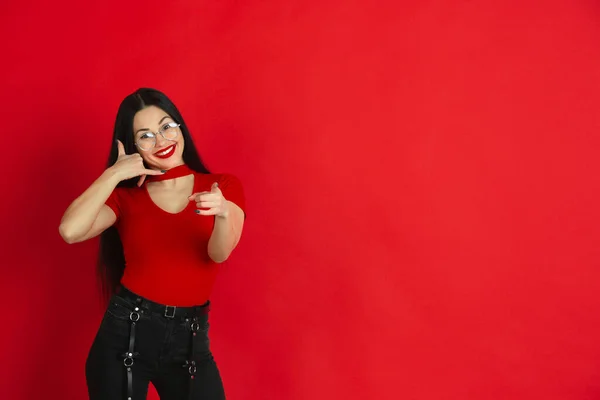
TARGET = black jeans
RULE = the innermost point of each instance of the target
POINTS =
(140, 341)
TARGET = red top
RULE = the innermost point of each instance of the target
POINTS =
(166, 255)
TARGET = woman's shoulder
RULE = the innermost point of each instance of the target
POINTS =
(122, 196)
(126, 192)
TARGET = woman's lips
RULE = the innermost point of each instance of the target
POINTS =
(166, 152)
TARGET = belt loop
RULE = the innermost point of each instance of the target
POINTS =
(170, 315)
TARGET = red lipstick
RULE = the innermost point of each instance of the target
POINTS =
(169, 152)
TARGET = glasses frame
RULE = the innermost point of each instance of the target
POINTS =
(161, 133)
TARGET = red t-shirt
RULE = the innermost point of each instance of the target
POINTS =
(166, 255)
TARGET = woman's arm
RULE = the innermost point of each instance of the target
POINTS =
(226, 233)
(88, 216)
(229, 222)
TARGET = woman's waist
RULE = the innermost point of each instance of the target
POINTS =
(137, 299)
(168, 288)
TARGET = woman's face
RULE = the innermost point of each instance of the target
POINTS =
(157, 151)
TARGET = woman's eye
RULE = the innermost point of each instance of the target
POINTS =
(165, 127)
(147, 136)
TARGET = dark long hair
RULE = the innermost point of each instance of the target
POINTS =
(111, 260)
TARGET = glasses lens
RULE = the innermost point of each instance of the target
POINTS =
(170, 131)
(146, 141)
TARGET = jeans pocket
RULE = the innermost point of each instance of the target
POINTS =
(118, 316)
(202, 341)
(184, 337)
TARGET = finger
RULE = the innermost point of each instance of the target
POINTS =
(154, 172)
(207, 204)
(141, 180)
(209, 196)
(120, 148)
(195, 196)
(212, 211)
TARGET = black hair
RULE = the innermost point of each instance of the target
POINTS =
(111, 260)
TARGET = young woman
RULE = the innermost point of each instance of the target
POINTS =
(165, 223)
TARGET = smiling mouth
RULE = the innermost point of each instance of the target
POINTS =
(166, 153)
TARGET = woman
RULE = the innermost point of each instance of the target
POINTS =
(165, 223)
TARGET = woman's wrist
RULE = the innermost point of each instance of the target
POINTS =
(111, 175)
(223, 216)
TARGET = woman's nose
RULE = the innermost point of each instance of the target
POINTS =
(160, 141)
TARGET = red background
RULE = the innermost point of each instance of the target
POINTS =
(422, 183)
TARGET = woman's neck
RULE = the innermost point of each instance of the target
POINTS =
(171, 176)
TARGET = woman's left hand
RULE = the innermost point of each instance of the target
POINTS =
(211, 203)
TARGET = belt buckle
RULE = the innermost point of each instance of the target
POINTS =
(172, 315)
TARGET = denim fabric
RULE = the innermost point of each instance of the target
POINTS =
(163, 345)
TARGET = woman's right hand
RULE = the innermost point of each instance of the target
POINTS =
(129, 166)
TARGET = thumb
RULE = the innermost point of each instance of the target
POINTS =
(141, 180)
(214, 187)
(120, 148)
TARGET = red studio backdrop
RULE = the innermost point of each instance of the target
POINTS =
(422, 181)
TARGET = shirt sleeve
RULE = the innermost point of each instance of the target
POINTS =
(232, 190)
(114, 202)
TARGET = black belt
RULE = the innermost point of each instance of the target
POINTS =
(163, 309)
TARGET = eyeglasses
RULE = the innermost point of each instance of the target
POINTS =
(148, 139)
